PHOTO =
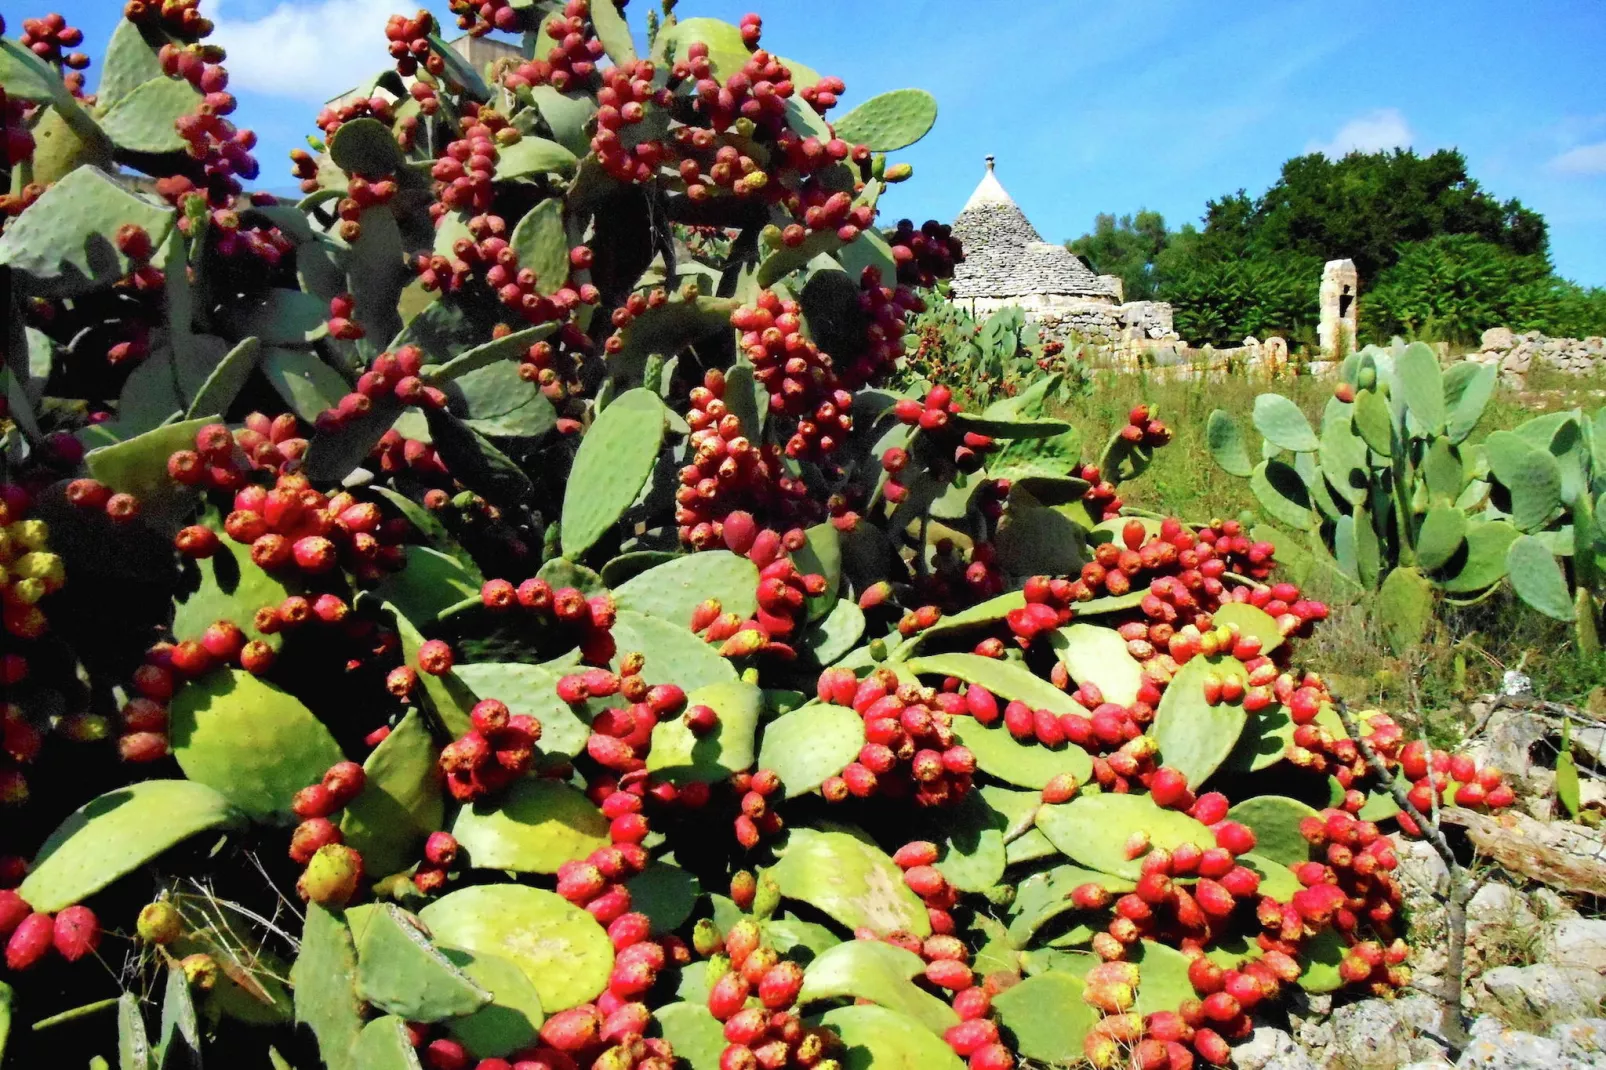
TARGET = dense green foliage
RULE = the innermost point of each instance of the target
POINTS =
(1438, 256)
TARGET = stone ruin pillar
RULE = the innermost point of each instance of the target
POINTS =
(1340, 319)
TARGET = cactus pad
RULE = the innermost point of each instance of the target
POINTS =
(116, 834)
(138, 466)
(674, 654)
(834, 635)
(232, 588)
(400, 972)
(1091, 652)
(665, 893)
(1443, 530)
(1226, 444)
(253, 743)
(1484, 561)
(1094, 829)
(1194, 736)
(680, 756)
(890, 121)
(1283, 424)
(384, 1044)
(510, 1021)
(430, 584)
(143, 121)
(1420, 384)
(1405, 609)
(560, 947)
(542, 242)
(1026, 765)
(1003, 679)
(696, 1035)
(671, 591)
(1046, 1017)
(880, 973)
(849, 880)
(878, 1038)
(1282, 494)
(809, 744)
(530, 689)
(534, 828)
(325, 980)
(62, 244)
(533, 157)
(1274, 819)
(615, 458)
(972, 844)
(1042, 897)
(401, 801)
(1538, 579)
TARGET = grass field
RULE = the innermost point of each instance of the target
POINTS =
(1472, 648)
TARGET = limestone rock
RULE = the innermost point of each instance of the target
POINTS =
(1369, 1035)
(1544, 993)
(1578, 943)
(1265, 1044)
(1496, 1047)
(1498, 338)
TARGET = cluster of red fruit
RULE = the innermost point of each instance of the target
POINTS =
(910, 750)
(1441, 778)
(622, 102)
(409, 42)
(47, 37)
(1164, 1040)
(932, 416)
(30, 935)
(167, 666)
(770, 1035)
(621, 735)
(799, 379)
(926, 255)
(16, 145)
(295, 526)
(782, 592)
(464, 174)
(730, 473)
(885, 310)
(315, 804)
(227, 461)
(391, 375)
(181, 18)
(497, 750)
(572, 58)
(395, 453)
(758, 92)
(590, 620)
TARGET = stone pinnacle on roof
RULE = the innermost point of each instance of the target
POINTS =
(1005, 256)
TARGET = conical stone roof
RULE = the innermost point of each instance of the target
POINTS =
(1006, 257)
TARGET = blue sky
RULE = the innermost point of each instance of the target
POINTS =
(1103, 107)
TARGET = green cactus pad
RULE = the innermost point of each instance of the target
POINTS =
(1283, 424)
(1046, 1018)
(1194, 736)
(1033, 539)
(1443, 531)
(1282, 494)
(1343, 453)
(681, 756)
(26, 76)
(850, 881)
(534, 827)
(1277, 880)
(542, 242)
(696, 1035)
(670, 328)
(674, 655)
(533, 157)
(615, 458)
(400, 972)
(1094, 829)
(116, 834)
(231, 587)
(809, 744)
(401, 801)
(514, 1015)
(1226, 444)
(1538, 579)
(1263, 743)
(1529, 474)
(138, 466)
(384, 1044)
(878, 1038)
(1251, 620)
(143, 121)
(324, 978)
(1405, 609)
(1031, 847)
(447, 697)
(530, 689)
(1162, 977)
(1374, 423)
(1274, 819)
(1484, 560)
(1003, 679)
(666, 893)
(835, 635)
(1468, 386)
(890, 121)
(430, 583)
(62, 244)
(180, 1041)
(727, 53)
(476, 462)
(1420, 384)
(1096, 654)
(1028, 765)
(129, 63)
(227, 378)
(982, 615)
(821, 555)
(1320, 957)
(671, 591)
(496, 401)
(133, 1043)
(280, 317)
(972, 842)
(562, 949)
(1042, 897)
(459, 71)
(253, 743)
(880, 973)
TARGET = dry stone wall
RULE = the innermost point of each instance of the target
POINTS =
(1518, 354)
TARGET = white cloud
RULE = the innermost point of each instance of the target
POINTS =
(1583, 160)
(308, 51)
(1375, 131)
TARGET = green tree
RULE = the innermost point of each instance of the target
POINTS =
(1127, 247)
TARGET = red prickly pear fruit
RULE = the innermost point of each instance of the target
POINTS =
(1215, 862)
(946, 973)
(1500, 797)
(1101, 1052)
(728, 995)
(1212, 898)
(1169, 788)
(1241, 881)
(30, 942)
(1234, 837)
(1062, 787)
(992, 1057)
(740, 531)
(1212, 1048)
(973, 1003)
(1210, 808)
(435, 657)
(345, 781)
(981, 704)
(1205, 976)
(1090, 896)
(968, 1037)
(77, 933)
(744, 886)
(310, 836)
(916, 853)
(1133, 533)
(1020, 720)
(441, 848)
(1136, 845)
(573, 1030)
(743, 939)
(779, 986)
(13, 909)
(1167, 1027)
(1221, 1007)
(925, 881)
(701, 719)
(332, 876)
(1344, 392)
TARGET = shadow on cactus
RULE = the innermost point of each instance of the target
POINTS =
(500, 610)
(1393, 498)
